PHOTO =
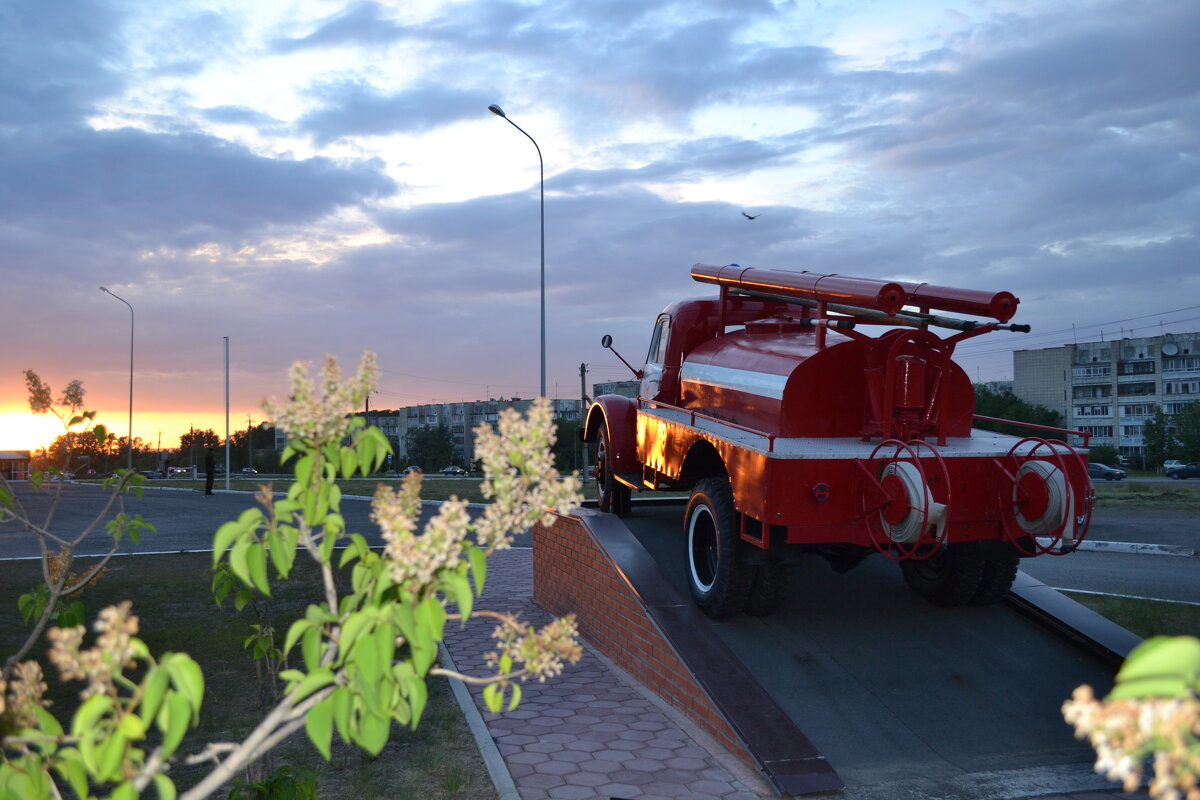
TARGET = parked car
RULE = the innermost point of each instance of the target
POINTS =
(249, 471)
(1106, 472)
(1188, 470)
(452, 470)
(1174, 463)
(412, 468)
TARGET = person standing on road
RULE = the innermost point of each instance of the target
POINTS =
(210, 469)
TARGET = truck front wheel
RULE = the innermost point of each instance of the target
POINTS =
(719, 585)
(611, 495)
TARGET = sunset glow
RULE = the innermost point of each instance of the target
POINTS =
(22, 430)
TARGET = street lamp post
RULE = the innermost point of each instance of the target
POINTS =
(130, 442)
(499, 112)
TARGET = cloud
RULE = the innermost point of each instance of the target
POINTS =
(171, 188)
(354, 108)
(57, 60)
(364, 23)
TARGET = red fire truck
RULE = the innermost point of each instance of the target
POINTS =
(798, 434)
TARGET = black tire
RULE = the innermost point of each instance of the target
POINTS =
(719, 585)
(768, 586)
(950, 577)
(611, 495)
(1175, 476)
(996, 580)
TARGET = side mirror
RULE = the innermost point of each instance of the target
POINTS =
(606, 341)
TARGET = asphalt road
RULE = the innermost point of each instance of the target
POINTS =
(185, 520)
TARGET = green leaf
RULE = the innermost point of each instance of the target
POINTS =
(478, 561)
(70, 766)
(313, 682)
(310, 648)
(493, 697)
(132, 727)
(318, 724)
(224, 537)
(367, 447)
(6, 497)
(457, 587)
(126, 791)
(187, 678)
(297, 629)
(283, 551)
(342, 701)
(154, 688)
(349, 462)
(373, 731)
(418, 695)
(110, 752)
(516, 696)
(101, 433)
(256, 561)
(304, 470)
(173, 720)
(239, 559)
(1162, 666)
(165, 787)
(89, 714)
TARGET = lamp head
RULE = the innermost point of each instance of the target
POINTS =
(497, 110)
(104, 288)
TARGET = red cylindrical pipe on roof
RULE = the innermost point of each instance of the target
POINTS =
(886, 296)
(998, 305)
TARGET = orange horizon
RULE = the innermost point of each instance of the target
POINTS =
(20, 429)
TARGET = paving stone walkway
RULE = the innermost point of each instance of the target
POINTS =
(594, 732)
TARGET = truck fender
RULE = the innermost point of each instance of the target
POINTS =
(619, 415)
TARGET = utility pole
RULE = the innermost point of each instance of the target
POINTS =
(585, 401)
(249, 444)
(227, 453)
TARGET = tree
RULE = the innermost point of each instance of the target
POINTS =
(429, 448)
(362, 651)
(1157, 439)
(1104, 454)
(1006, 405)
(1187, 432)
(566, 445)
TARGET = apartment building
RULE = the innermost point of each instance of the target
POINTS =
(1111, 388)
(461, 418)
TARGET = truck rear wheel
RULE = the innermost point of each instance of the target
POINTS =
(997, 578)
(611, 495)
(719, 585)
(949, 577)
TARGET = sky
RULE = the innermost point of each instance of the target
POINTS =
(312, 178)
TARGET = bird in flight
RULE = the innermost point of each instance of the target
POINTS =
(747, 216)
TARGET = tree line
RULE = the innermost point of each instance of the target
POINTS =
(103, 455)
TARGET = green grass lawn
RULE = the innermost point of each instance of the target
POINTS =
(172, 598)
(1146, 618)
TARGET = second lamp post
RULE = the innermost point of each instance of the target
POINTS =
(499, 112)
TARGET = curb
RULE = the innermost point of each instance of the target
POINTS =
(1131, 548)
(497, 768)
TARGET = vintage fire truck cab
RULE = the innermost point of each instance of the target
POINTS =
(797, 434)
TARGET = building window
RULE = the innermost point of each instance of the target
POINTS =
(1137, 368)
(1131, 430)
(1091, 372)
(1097, 430)
(1083, 392)
(1126, 389)
(1138, 410)
(1093, 411)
